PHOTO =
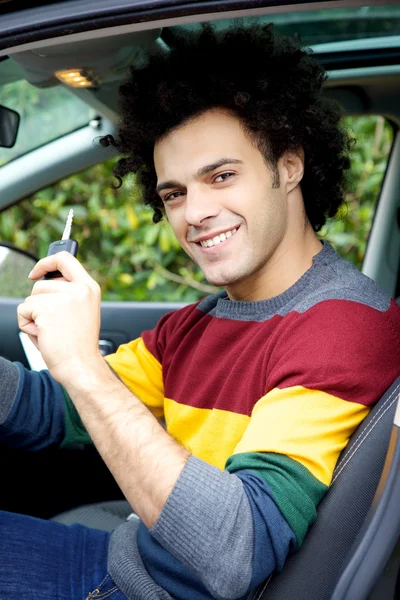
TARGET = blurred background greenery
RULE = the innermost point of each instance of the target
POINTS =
(134, 259)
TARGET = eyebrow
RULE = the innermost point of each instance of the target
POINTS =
(166, 185)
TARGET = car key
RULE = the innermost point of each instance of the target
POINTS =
(65, 243)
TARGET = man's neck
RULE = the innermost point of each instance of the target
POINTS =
(285, 267)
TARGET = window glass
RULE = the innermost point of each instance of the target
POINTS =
(323, 26)
(46, 114)
(134, 259)
(14, 269)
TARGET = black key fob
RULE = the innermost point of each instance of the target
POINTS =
(70, 246)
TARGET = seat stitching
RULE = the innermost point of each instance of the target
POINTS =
(361, 440)
(364, 436)
(263, 588)
(377, 415)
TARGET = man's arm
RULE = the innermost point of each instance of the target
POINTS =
(63, 320)
(145, 461)
(31, 407)
(203, 516)
(9, 382)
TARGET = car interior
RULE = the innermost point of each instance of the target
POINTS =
(76, 56)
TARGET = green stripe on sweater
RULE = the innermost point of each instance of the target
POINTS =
(296, 491)
(75, 432)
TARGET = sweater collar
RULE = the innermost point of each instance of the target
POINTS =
(230, 308)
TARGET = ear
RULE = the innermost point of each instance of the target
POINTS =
(293, 165)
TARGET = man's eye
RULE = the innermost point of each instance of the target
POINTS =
(223, 177)
(172, 196)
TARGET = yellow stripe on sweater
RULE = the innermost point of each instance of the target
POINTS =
(309, 426)
(141, 373)
(209, 434)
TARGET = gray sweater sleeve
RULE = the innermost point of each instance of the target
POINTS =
(216, 545)
(9, 382)
(32, 412)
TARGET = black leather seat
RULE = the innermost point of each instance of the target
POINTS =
(347, 517)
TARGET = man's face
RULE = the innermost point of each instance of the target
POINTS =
(219, 199)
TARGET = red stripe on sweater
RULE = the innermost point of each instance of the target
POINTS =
(340, 347)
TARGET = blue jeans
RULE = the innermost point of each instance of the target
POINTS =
(50, 561)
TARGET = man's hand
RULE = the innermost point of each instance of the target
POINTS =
(62, 316)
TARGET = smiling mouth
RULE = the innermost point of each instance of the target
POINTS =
(218, 239)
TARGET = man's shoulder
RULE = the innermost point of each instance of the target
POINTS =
(341, 337)
(344, 283)
(347, 313)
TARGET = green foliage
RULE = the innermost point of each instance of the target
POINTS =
(348, 231)
(134, 259)
(121, 247)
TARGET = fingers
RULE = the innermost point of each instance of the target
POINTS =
(49, 296)
(66, 291)
(64, 262)
(34, 340)
(26, 321)
(50, 286)
(30, 311)
(32, 330)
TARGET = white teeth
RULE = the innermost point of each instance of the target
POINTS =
(217, 239)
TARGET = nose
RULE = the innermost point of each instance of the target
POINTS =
(199, 207)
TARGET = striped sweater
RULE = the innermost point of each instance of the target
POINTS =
(265, 395)
(269, 391)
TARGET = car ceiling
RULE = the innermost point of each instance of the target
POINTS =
(364, 76)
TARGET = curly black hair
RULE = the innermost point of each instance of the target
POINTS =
(271, 83)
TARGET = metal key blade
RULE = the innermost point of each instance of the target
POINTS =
(67, 231)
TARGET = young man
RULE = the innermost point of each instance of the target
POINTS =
(260, 385)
